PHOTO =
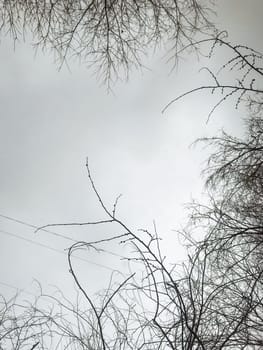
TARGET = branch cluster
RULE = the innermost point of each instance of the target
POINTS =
(112, 35)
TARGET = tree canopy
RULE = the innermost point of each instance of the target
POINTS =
(111, 35)
(213, 300)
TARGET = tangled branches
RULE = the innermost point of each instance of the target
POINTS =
(213, 301)
(111, 35)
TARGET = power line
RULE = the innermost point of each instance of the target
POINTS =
(52, 233)
(54, 249)
(36, 227)
(19, 290)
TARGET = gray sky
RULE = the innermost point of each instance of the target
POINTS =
(50, 122)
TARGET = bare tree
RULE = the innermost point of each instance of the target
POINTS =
(112, 35)
(213, 301)
(24, 326)
(232, 247)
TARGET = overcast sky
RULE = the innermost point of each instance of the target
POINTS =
(52, 120)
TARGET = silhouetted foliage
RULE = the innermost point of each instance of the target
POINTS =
(112, 35)
(232, 247)
(213, 301)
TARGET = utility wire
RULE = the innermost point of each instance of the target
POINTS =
(36, 227)
(54, 249)
(19, 290)
(52, 233)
